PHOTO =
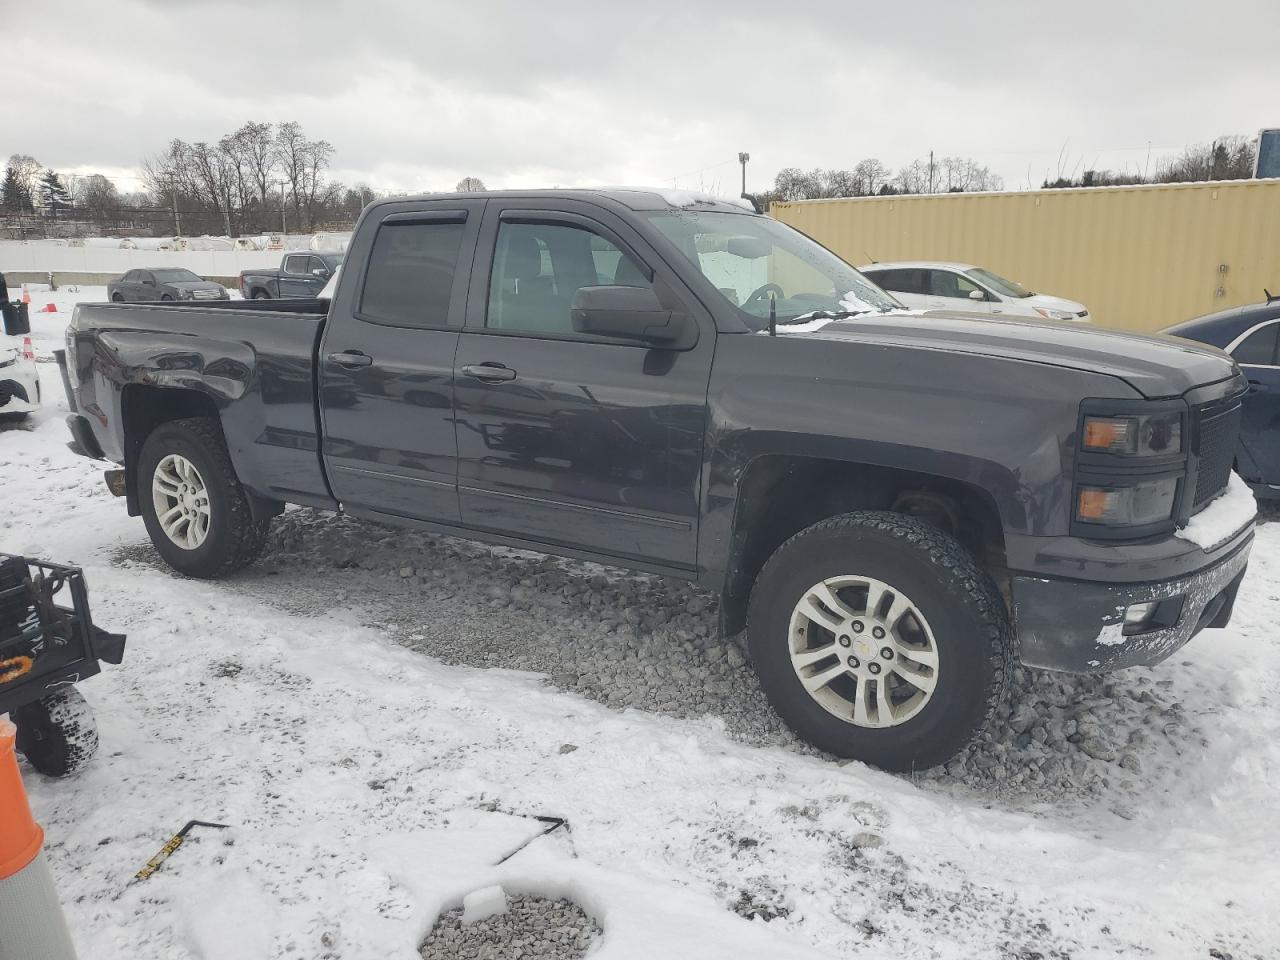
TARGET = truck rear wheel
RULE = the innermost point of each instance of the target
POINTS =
(195, 510)
(877, 637)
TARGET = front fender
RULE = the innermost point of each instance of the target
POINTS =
(1004, 426)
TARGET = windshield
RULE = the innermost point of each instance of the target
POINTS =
(175, 276)
(754, 261)
(999, 284)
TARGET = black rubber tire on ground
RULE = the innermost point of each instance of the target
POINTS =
(234, 539)
(261, 295)
(57, 734)
(971, 626)
(166, 298)
(117, 298)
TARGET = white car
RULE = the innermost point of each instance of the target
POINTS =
(927, 285)
(19, 377)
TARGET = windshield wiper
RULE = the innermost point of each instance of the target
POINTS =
(821, 315)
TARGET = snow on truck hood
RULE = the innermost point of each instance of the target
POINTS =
(1156, 366)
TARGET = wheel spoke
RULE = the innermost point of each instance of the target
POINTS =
(822, 605)
(917, 656)
(921, 681)
(861, 701)
(884, 706)
(820, 679)
(807, 658)
(168, 518)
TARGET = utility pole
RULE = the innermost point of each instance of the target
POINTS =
(931, 171)
(742, 159)
(177, 222)
(283, 227)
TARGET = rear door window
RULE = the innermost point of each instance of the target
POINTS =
(1259, 348)
(411, 272)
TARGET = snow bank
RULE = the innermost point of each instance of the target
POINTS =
(1234, 508)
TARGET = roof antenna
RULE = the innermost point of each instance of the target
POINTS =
(1270, 296)
(773, 315)
(870, 258)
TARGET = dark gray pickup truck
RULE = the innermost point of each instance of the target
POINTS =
(895, 506)
(301, 274)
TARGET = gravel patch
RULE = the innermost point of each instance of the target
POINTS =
(650, 643)
(533, 928)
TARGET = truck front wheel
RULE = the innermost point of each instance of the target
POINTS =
(195, 510)
(879, 638)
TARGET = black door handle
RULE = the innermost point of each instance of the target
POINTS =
(488, 372)
(350, 359)
(1257, 386)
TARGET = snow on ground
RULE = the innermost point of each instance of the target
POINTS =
(349, 707)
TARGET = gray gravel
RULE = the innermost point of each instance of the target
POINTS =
(534, 928)
(647, 642)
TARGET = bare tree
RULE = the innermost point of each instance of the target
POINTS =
(470, 185)
(871, 175)
(26, 170)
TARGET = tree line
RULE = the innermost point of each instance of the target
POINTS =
(268, 177)
(1227, 158)
(872, 178)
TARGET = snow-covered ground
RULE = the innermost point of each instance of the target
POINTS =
(349, 706)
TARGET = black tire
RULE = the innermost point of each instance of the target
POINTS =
(261, 295)
(165, 298)
(971, 633)
(234, 539)
(57, 734)
(117, 298)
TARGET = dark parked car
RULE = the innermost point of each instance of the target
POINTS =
(592, 373)
(163, 283)
(300, 275)
(1252, 336)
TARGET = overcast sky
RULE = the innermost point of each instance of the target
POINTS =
(415, 96)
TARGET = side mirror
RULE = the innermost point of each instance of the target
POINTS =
(320, 272)
(977, 295)
(631, 313)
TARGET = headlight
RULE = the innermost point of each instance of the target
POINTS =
(1152, 435)
(185, 294)
(1134, 505)
(1055, 314)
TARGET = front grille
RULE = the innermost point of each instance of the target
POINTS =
(204, 295)
(1216, 450)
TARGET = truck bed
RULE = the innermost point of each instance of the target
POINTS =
(251, 362)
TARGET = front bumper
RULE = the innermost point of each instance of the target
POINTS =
(1077, 626)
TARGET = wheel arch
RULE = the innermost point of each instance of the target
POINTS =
(781, 494)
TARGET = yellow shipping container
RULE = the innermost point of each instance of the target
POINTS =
(1140, 258)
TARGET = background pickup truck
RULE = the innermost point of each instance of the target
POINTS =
(300, 275)
(895, 506)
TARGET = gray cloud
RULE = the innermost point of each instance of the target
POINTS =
(416, 95)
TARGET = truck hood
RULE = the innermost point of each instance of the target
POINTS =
(1156, 366)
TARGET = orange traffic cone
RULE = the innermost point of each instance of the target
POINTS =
(26, 297)
(49, 308)
(30, 915)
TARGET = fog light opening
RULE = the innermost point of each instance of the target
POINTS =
(1152, 615)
